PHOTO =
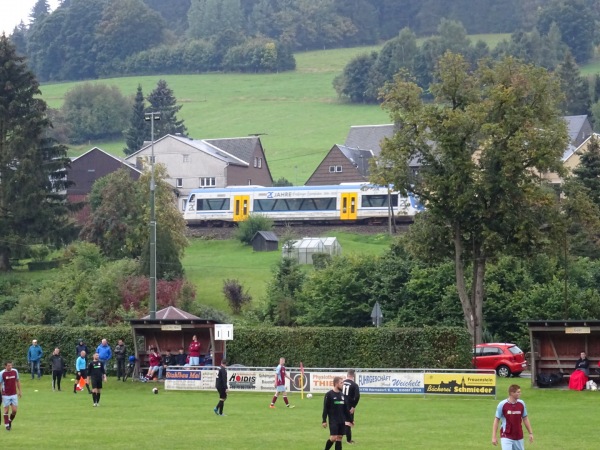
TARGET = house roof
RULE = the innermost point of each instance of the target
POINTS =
(369, 137)
(360, 158)
(172, 313)
(574, 125)
(242, 147)
(267, 235)
(116, 158)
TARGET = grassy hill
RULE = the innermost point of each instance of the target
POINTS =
(298, 112)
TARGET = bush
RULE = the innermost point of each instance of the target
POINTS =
(248, 228)
(235, 295)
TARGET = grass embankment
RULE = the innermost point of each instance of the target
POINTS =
(208, 263)
(130, 416)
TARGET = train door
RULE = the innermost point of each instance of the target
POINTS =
(348, 206)
(241, 207)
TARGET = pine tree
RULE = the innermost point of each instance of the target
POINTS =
(138, 130)
(162, 100)
(32, 207)
(588, 170)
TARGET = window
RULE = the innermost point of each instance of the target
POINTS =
(333, 169)
(212, 204)
(378, 201)
(259, 163)
(256, 161)
(338, 168)
(186, 158)
(152, 159)
(183, 204)
(207, 181)
(179, 182)
(295, 204)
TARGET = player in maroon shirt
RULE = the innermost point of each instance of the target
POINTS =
(280, 377)
(194, 351)
(510, 413)
(11, 392)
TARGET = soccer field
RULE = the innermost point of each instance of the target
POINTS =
(130, 416)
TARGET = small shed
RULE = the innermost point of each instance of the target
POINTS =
(303, 250)
(332, 246)
(557, 344)
(265, 241)
(173, 329)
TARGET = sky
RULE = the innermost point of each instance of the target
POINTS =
(13, 11)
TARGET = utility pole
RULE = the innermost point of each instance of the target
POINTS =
(151, 117)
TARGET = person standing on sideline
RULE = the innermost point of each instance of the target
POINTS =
(351, 393)
(34, 357)
(221, 385)
(120, 354)
(105, 353)
(57, 363)
(81, 347)
(194, 351)
(11, 392)
(81, 371)
(280, 377)
(95, 376)
(511, 412)
(336, 409)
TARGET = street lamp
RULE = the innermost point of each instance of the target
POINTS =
(151, 117)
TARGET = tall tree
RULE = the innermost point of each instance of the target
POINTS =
(138, 130)
(482, 143)
(575, 87)
(40, 11)
(32, 206)
(163, 100)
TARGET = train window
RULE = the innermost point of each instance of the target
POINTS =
(212, 204)
(295, 204)
(378, 201)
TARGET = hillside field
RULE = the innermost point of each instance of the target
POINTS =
(298, 114)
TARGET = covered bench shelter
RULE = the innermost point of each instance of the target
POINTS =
(173, 329)
(557, 344)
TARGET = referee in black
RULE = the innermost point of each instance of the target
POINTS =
(221, 385)
(335, 407)
(352, 397)
(96, 375)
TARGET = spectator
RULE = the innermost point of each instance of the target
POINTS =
(81, 347)
(167, 360)
(180, 358)
(57, 364)
(34, 357)
(154, 362)
(120, 352)
(583, 364)
(104, 353)
(194, 351)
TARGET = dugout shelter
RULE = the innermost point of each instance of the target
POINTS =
(557, 344)
(173, 329)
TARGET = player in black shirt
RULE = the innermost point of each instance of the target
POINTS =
(335, 407)
(352, 396)
(221, 385)
(96, 373)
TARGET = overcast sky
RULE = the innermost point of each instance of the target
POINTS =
(13, 11)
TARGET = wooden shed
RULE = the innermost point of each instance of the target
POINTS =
(557, 344)
(173, 329)
(265, 241)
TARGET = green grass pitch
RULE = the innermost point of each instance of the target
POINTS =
(130, 416)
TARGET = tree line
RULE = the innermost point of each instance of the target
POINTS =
(85, 39)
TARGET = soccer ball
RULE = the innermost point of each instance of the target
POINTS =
(308, 395)
(155, 390)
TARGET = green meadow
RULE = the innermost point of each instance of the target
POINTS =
(297, 114)
(208, 262)
(130, 416)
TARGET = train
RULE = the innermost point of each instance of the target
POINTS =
(343, 203)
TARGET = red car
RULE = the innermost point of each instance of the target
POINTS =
(505, 359)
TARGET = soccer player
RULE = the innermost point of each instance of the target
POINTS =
(81, 370)
(11, 392)
(336, 408)
(511, 412)
(96, 374)
(221, 385)
(351, 393)
(280, 377)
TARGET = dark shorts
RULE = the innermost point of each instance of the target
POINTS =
(96, 383)
(337, 428)
(83, 374)
(222, 394)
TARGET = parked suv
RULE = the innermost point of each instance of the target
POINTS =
(505, 359)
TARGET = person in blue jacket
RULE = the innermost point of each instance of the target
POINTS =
(34, 356)
(104, 353)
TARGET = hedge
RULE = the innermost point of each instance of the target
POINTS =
(16, 339)
(428, 347)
